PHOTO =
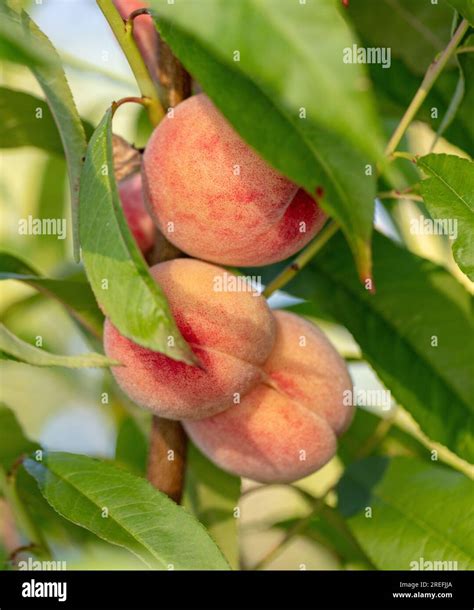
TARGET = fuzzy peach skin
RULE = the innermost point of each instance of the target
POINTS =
(215, 198)
(232, 333)
(287, 428)
(144, 32)
(138, 219)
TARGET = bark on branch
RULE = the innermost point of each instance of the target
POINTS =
(168, 442)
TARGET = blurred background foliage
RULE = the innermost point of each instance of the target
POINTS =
(62, 409)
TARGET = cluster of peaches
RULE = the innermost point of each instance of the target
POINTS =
(266, 401)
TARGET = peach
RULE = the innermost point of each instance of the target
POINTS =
(231, 333)
(287, 426)
(215, 198)
(138, 218)
(144, 32)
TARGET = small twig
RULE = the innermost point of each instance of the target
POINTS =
(431, 75)
(466, 49)
(135, 60)
(302, 259)
(144, 101)
(399, 195)
(133, 15)
(400, 154)
(23, 549)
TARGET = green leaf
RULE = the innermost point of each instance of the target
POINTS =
(460, 130)
(415, 32)
(13, 442)
(13, 445)
(26, 120)
(449, 196)
(409, 331)
(420, 513)
(51, 203)
(131, 299)
(74, 293)
(464, 110)
(131, 448)
(291, 62)
(14, 46)
(139, 518)
(17, 349)
(52, 80)
(19, 125)
(355, 439)
(213, 495)
(396, 87)
(464, 8)
(53, 525)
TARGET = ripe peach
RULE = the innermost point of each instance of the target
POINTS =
(287, 427)
(215, 198)
(144, 32)
(138, 218)
(232, 334)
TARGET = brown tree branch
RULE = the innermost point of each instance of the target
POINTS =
(174, 79)
(168, 442)
(167, 457)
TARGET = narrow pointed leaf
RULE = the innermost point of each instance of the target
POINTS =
(13, 441)
(26, 120)
(115, 267)
(52, 80)
(74, 293)
(17, 349)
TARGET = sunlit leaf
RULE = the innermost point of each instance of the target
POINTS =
(13, 442)
(449, 196)
(16, 349)
(52, 80)
(125, 510)
(419, 512)
(75, 294)
(115, 267)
